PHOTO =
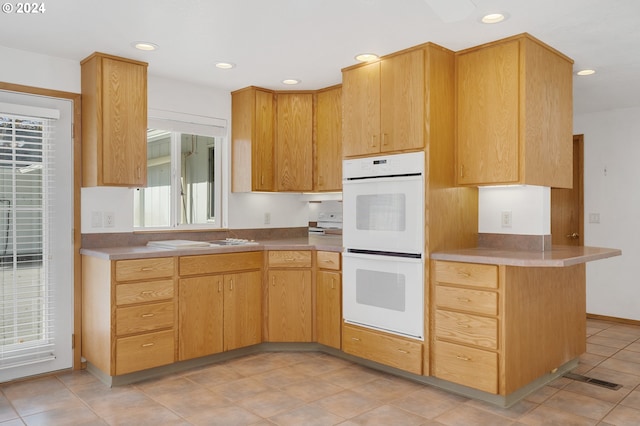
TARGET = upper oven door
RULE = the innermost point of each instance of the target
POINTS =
(384, 214)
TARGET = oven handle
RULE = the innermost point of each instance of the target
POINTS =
(369, 179)
(369, 256)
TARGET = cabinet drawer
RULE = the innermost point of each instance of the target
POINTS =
(476, 301)
(219, 263)
(136, 319)
(471, 367)
(290, 259)
(465, 328)
(144, 269)
(380, 347)
(150, 350)
(152, 291)
(328, 260)
(469, 274)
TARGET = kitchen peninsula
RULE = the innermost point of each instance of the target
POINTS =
(507, 321)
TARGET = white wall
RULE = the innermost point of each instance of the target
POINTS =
(529, 207)
(32, 69)
(611, 173)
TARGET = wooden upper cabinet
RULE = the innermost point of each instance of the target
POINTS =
(514, 114)
(384, 105)
(328, 140)
(294, 142)
(361, 110)
(252, 140)
(114, 121)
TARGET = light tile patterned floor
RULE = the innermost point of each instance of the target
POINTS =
(291, 388)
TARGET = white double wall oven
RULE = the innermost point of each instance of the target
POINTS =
(383, 236)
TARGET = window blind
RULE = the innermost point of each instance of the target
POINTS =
(26, 200)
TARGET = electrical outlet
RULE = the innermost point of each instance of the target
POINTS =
(267, 218)
(594, 217)
(96, 219)
(506, 219)
(109, 219)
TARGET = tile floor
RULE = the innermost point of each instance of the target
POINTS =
(292, 388)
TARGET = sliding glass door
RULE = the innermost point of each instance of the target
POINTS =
(36, 246)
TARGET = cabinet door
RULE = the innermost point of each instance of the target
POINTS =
(242, 309)
(252, 140)
(294, 142)
(289, 316)
(262, 157)
(328, 308)
(402, 105)
(124, 123)
(361, 110)
(488, 114)
(200, 316)
(328, 144)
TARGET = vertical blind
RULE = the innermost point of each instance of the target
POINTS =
(26, 199)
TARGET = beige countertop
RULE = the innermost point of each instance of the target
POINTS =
(558, 256)
(312, 242)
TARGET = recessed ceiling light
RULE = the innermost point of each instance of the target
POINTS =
(367, 57)
(291, 81)
(586, 72)
(225, 65)
(144, 45)
(493, 18)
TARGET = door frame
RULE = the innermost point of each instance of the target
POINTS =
(578, 179)
(76, 343)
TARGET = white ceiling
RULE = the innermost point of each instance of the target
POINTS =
(311, 40)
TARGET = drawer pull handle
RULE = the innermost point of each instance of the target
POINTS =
(327, 261)
(146, 293)
(231, 285)
(403, 351)
(463, 358)
(355, 338)
(289, 259)
(146, 268)
(146, 345)
(463, 325)
(464, 274)
(333, 283)
(147, 315)
(464, 299)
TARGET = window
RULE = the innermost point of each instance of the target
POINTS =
(183, 177)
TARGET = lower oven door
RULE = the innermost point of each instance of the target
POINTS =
(384, 292)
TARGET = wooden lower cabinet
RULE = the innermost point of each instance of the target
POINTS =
(129, 313)
(384, 348)
(219, 312)
(136, 353)
(328, 299)
(498, 328)
(289, 296)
